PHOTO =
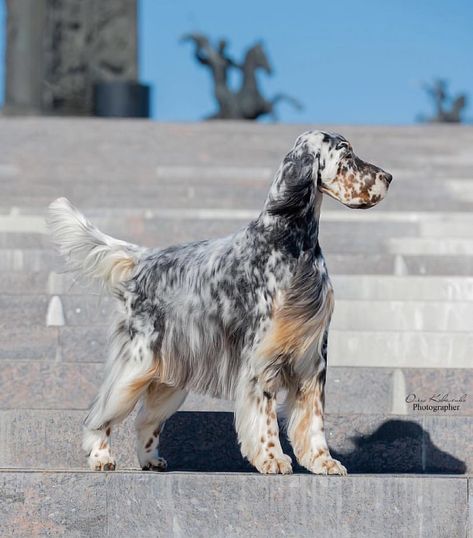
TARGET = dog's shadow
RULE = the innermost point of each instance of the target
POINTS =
(206, 442)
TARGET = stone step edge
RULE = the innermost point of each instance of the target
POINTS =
(366, 416)
(137, 471)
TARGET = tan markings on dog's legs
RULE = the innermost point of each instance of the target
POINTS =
(258, 430)
(159, 403)
(306, 428)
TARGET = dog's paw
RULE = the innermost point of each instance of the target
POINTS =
(275, 464)
(101, 460)
(156, 464)
(327, 465)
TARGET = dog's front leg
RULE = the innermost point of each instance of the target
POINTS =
(305, 412)
(258, 430)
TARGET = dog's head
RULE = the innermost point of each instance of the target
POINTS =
(340, 173)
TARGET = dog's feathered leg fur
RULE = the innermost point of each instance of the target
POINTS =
(304, 409)
(159, 403)
(257, 427)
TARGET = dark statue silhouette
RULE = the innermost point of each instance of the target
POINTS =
(447, 109)
(248, 102)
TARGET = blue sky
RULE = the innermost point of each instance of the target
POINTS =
(347, 61)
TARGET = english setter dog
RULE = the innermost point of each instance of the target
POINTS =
(241, 317)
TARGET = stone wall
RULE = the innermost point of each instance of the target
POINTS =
(57, 50)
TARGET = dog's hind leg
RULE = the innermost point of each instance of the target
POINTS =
(130, 370)
(160, 401)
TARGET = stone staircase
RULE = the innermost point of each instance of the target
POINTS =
(403, 325)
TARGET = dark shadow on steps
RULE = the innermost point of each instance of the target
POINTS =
(206, 442)
(398, 446)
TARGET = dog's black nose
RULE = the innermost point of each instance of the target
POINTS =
(389, 178)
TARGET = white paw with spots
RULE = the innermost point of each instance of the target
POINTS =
(271, 464)
(101, 460)
(327, 465)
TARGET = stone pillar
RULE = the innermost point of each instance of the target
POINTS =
(24, 60)
(58, 49)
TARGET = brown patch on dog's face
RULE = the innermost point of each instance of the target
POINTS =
(350, 180)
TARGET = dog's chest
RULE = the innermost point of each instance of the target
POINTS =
(301, 316)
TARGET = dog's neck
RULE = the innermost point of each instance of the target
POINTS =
(292, 209)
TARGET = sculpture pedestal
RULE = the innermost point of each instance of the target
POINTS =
(121, 100)
(58, 49)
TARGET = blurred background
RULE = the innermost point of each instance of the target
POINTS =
(345, 62)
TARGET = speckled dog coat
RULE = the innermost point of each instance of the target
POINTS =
(241, 317)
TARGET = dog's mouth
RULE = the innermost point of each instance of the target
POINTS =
(359, 206)
(324, 190)
(362, 205)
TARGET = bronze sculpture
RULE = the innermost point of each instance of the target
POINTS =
(248, 102)
(444, 114)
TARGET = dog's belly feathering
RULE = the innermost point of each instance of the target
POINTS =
(203, 307)
(251, 309)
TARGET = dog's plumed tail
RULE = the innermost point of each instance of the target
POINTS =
(86, 249)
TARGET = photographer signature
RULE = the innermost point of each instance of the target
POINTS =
(438, 398)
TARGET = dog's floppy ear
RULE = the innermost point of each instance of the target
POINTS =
(298, 168)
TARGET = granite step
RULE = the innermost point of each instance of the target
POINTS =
(88, 343)
(57, 384)
(403, 288)
(86, 504)
(206, 441)
(429, 316)
(451, 246)
(158, 227)
(347, 287)
(131, 143)
(357, 263)
(349, 315)
(25, 226)
(401, 349)
(137, 191)
(337, 238)
(134, 156)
